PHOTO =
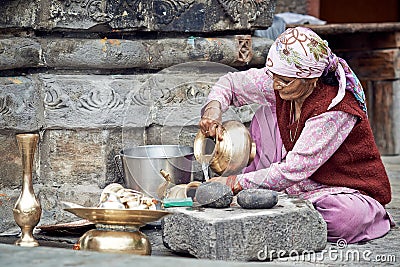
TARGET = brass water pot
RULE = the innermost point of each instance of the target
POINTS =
(229, 156)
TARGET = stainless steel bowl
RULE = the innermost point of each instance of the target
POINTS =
(142, 165)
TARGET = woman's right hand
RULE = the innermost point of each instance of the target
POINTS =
(211, 122)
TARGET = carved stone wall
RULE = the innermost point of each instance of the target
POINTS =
(294, 6)
(93, 77)
(138, 15)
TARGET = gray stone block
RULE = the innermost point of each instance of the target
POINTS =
(19, 14)
(21, 104)
(10, 161)
(18, 52)
(158, 15)
(140, 53)
(87, 101)
(76, 101)
(8, 198)
(80, 156)
(153, 53)
(237, 234)
(52, 195)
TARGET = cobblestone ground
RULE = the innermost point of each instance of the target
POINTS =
(381, 251)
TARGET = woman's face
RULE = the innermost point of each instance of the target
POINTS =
(292, 88)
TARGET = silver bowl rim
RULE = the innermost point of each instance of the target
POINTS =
(190, 148)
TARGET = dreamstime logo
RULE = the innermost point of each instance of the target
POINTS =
(339, 252)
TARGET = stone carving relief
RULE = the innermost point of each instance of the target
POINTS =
(192, 94)
(166, 10)
(244, 48)
(55, 99)
(238, 9)
(6, 103)
(166, 90)
(126, 13)
(100, 100)
(140, 97)
(97, 10)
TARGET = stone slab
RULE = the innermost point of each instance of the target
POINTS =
(76, 101)
(21, 104)
(102, 53)
(159, 53)
(87, 101)
(81, 156)
(18, 52)
(10, 161)
(8, 198)
(143, 15)
(237, 234)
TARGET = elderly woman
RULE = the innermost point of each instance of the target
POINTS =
(312, 135)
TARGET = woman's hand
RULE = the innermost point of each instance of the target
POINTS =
(211, 121)
(230, 181)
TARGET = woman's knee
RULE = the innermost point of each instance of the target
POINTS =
(351, 217)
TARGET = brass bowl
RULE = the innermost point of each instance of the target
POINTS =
(117, 229)
(115, 242)
(121, 217)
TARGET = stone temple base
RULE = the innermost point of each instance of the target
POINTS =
(290, 228)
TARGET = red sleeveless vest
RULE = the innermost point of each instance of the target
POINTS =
(357, 163)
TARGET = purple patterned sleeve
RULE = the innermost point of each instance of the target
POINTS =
(320, 138)
(242, 88)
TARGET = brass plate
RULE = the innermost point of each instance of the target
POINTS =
(118, 216)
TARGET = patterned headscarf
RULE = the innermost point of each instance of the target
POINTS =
(299, 52)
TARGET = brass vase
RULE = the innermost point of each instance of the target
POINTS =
(27, 210)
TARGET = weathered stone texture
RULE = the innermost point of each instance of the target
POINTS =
(51, 197)
(87, 101)
(19, 53)
(8, 198)
(148, 53)
(10, 161)
(19, 14)
(106, 54)
(88, 88)
(80, 156)
(294, 6)
(238, 234)
(21, 104)
(144, 15)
